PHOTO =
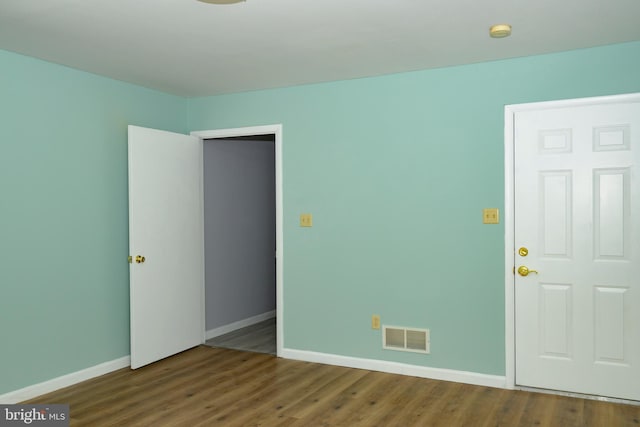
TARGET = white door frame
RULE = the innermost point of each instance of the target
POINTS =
(509, 208)
(252, 131)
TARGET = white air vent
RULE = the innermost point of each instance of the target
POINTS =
(405, 339)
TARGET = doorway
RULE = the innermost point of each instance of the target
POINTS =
(243, 237)
(572, 245)
(240, 242)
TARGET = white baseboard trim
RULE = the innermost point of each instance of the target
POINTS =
(397, 368)
(216, 332)
(54, 384)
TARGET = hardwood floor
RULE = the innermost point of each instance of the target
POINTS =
(259, 338)
(218, 387)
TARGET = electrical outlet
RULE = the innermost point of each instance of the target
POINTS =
(491, 216)
(375, 321)
(306, 220)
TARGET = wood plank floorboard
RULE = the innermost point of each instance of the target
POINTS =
(208, 386)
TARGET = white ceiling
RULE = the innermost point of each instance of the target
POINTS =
(190, 48)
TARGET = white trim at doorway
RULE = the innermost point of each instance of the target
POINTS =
(275, 130)
(509, 204)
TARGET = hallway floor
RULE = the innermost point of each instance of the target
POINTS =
(258, 338)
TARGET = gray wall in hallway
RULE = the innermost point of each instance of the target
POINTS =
(239, 210)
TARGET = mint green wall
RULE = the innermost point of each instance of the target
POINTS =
(64, 279)
(396, 171)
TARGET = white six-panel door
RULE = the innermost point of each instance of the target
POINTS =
(166, 228)
(577, 213)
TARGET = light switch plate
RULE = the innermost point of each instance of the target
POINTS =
(306, 220)
(491, 216)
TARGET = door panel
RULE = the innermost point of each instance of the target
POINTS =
(577, 211)
(165, 226)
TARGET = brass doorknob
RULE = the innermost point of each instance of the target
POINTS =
(524, 271)
(139, 259)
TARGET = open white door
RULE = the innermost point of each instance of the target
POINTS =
(166, 228)
(577, 230)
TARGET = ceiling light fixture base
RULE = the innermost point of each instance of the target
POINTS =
(221, 1)
(500, 31)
